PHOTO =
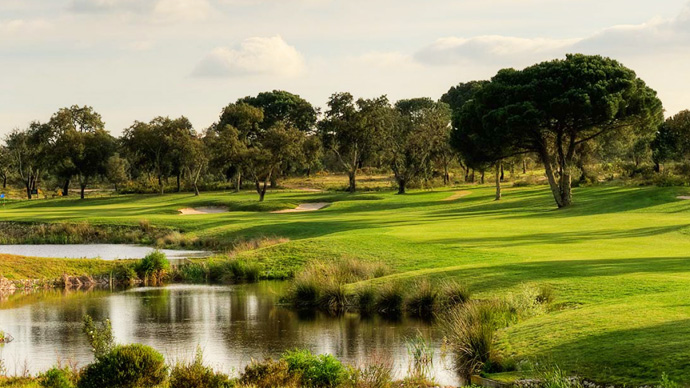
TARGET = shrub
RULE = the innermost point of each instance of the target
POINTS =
(530, 301)
(390, 300)
(126, 366)
(666, 382)
(316, 371)
(269, 374)
(124, 273)
(545, 294)
(100, 337)
(192, 273)
(154, 264)
(57, 378)
(196, 375)
(423, 301)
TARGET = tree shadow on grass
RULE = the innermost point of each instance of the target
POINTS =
(497, 276)
(631, 356)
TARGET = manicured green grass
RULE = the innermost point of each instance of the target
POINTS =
(619, 259)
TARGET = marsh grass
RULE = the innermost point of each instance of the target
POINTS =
(421, 356)
(423, 302)
(196, 374)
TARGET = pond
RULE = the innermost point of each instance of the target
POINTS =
(232, 324)
(103, 251)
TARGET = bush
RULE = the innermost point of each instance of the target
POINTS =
(155, 264)
(316, 371)
(100, 337)
(124, 273)
(197, 375)
(303, 294)
(269, 374)
(333, 298)
(57, 378)
(126, 366)
(192, 273)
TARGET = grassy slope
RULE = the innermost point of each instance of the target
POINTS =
(618, 258)
(19, 267)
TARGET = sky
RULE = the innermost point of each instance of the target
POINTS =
(138, 59)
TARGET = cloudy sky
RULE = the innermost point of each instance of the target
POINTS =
(136, 59)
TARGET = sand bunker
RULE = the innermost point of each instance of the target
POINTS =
(305, 207)
(457, 195)
(683, 197)
(202, 210)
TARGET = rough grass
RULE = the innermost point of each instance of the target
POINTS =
(20, 267)
(617, 259)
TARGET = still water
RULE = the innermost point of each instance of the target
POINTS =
(232, 324)
(91, 251)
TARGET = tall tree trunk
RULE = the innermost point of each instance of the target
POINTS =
(502, 173)
(4, 181)
(82, 187)
(481, 179)
(499, 169)
(65, 188)
(524, 166)
(550, 176)
(353, 184)
(309, 172)
(238, 181)
(446, 176)
(196, 189)
(401, 186)
(472, 176)
(179, 186)
(28, 189)
(161, 186)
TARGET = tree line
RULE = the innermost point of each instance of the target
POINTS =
(566, 114)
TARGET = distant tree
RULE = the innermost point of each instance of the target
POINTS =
(672, 140)
(195, 160)
(313, 151)
(89, 154)
(6, 165)
(28, 150)
(65, 122)
(353, 130)
(421, 127)
(158, 146)
(116, 170)
(553, 107)
(280, 105)
(237, 128)
(264, 157)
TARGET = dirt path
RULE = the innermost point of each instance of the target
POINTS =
(189, 211)
(305, 207)
(683, 197)
(458, 195)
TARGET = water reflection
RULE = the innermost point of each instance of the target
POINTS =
(232, 324)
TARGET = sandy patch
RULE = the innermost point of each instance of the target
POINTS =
(305, 207)
(683, 197)
(189, 211)
(458, 195)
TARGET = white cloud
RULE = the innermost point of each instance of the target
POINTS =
(108, 6)
(655, 35)
(22, 27)
(181, 10)
(254, 56)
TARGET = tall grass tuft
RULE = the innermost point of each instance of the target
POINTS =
(197, 375)
(421, 357)
(423, 301)
(452, 294)
(470, 331)
(390, 300)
